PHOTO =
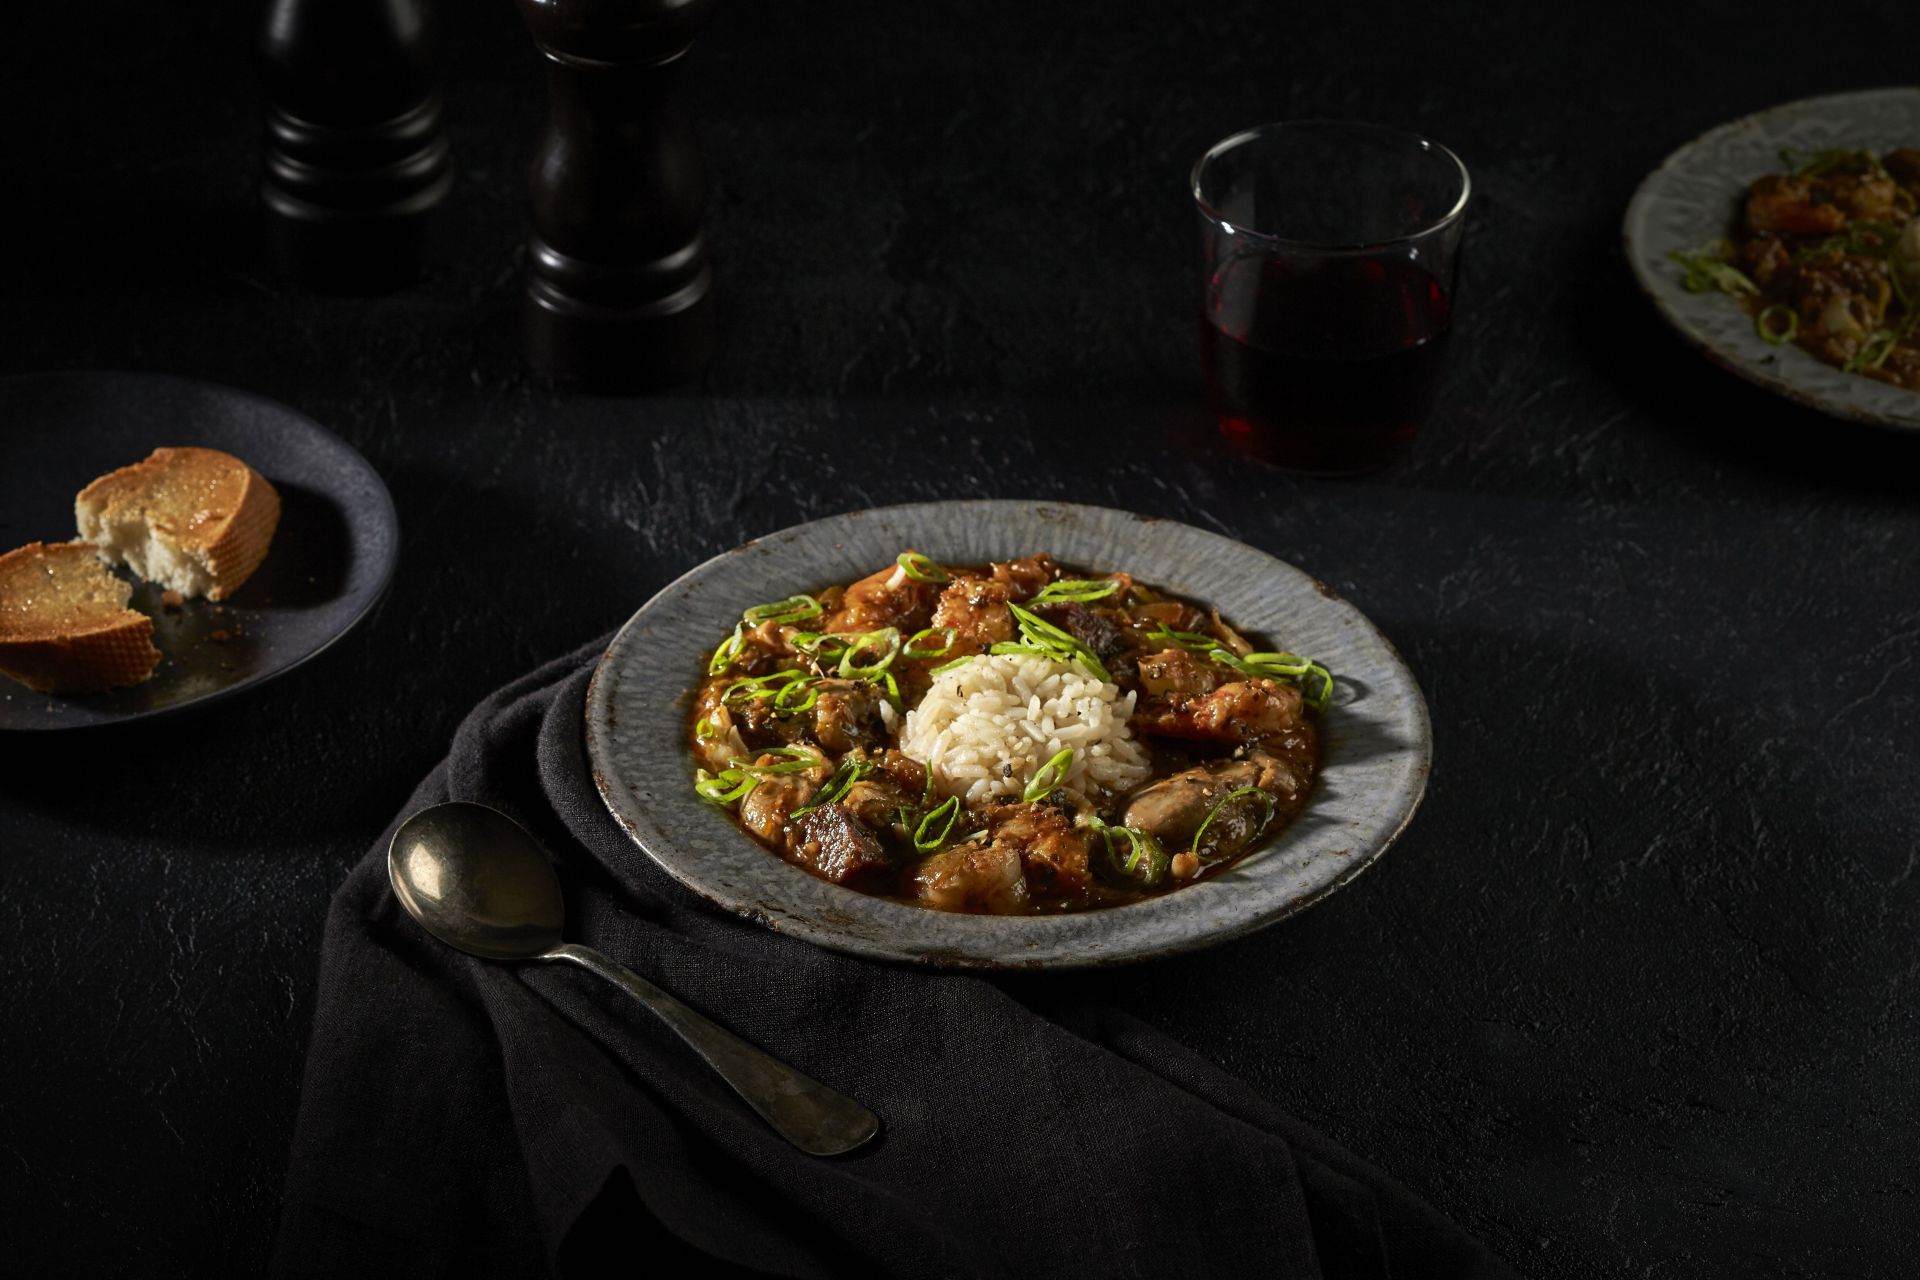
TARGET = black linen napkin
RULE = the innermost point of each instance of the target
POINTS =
(466, 1118)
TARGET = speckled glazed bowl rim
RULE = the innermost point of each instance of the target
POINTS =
(1692, 197)
(1377, 740)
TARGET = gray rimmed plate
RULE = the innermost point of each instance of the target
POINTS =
(1695, 197)
(331, 557)
(1376, 745)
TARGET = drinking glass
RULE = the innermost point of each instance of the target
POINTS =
(1327, 254)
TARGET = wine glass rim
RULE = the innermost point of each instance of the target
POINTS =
(1235, 140)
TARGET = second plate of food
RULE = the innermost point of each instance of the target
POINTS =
(1783, 246)
(1006, 735)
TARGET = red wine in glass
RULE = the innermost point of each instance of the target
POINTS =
(1325, 364)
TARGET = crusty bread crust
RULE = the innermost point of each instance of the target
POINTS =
(54, 648)
(208, 504)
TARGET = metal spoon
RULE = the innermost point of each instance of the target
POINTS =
(478, 881)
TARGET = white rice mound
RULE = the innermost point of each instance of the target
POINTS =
(987, 726)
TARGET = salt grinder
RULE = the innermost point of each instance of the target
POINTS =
(357, 162)
(619, 292)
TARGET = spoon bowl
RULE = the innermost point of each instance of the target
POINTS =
(479, 882)
(476, 879)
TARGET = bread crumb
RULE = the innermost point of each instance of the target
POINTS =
(220, 637)
(172, 599)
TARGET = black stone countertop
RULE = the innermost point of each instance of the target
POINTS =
(1636, 994)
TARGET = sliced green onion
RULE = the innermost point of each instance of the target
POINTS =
(1061, 644)
(925, 838)
(1828, 159)
(724, 788)
(824, 646)
(1146, 861)
(1314, 680)
(1164, 634)
(786, 704)
(792, 760)
(706, 729)
(1707, 271)
(723, 656)
(912, 647)
(1077, 590)
(748, 688)
(837, 786)
(1222, 803)
(1017, 647)
(1777, 324)
(885, 642)
(1048, 777)
(792, 609)
(1873, 352)
(921, 569)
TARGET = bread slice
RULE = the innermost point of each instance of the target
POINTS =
(64, 622)
(196, 521)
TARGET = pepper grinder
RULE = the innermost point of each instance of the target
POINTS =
(357, 162)
(619, 293)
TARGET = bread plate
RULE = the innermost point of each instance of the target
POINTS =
(1376, 741)
(1695, 197)
(330, 559)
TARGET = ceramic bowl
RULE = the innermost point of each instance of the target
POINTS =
(1376, 739)
(1695, 197)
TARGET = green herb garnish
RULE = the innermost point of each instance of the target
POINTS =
(922, 569)
(837, 786)
(792, 760)
(1777, 324)
(727, 787)
(793, 609)
(925, 838)
(1708, 270)
(1222, 803)
(1077, 590)
(1049, 777)
(729, 650)
(1058, 644)
(913, 648)
(883, 646)
(1146, 860)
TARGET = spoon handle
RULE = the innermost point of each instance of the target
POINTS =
(805, 1112)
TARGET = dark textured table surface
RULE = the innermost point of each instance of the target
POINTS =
(1636, 995)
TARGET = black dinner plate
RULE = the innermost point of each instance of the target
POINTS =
(331, 557)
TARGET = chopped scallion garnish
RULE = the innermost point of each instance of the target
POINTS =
(1314, 680)
(723, 656)
(748, 688)
(1873, 351)
(1049, 777)
(823, 646)
(1146, 861)
(932, 832)
(791, 760)
(883, 646)
(1077, 590)
(837, 786)
(1777, 324)
(727, 787)
(1059, 644)
(914, 649)
(1161, 633)
(794, 608)
(922, 569)
(1707, 270)
(1222, 803)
